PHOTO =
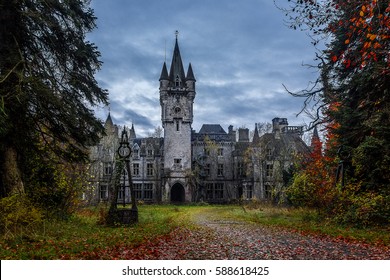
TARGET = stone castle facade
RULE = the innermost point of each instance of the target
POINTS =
(211, 165)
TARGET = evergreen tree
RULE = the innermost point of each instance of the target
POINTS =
(47, 84)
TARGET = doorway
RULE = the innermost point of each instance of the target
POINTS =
(177, 193)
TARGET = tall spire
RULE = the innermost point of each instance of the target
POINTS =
(315, 137)
(132, 132)
(256, 138)
(176, 73)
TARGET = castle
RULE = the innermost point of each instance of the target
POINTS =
(211, 165)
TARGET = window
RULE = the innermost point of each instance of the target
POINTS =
(248, 191)
(177, 81)
(177, 125)
(103, 192)
(206, 151)
(107, 166)
(177, 163)
(143, 191)
(207, 168)
(136, 169)
(214, 191)
(240, 169)
(136, 152)
(269, 154)
(269, 170)
(137, 190)
(220, 169)
(209, 191)
(149, 169)
(219, 191)
(150, 152)
(148, 192)
(220, 151)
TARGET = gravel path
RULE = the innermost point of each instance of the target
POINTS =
(214, 238)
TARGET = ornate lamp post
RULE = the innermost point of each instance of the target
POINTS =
(124, 152)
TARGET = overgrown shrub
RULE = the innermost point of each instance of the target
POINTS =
(347, 205)
(362, 209)
(19, 216)
(55, 189)
(306, 192)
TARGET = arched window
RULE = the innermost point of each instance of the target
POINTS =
(177, 81)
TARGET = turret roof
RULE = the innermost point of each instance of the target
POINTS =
(256, 137)
(190, 73)
(176, 65)
(164, 72)
(108, 120)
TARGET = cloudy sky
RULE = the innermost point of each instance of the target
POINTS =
(241, 53)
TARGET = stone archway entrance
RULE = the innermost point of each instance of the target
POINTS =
(177, 193)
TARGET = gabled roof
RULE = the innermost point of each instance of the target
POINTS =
(286, 141)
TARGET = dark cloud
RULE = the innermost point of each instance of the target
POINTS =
(241, 52)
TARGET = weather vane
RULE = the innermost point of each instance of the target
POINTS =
(176, 33)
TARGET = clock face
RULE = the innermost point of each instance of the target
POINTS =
(124, 151)
(177, 110)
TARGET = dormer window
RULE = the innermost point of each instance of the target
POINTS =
(135, 151)
(149, 151)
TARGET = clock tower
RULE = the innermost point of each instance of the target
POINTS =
(177, 94)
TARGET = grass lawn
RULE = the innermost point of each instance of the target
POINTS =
(83, 238)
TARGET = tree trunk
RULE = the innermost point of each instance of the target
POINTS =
(11, 176)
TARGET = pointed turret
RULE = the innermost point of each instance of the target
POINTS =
(315, 137)
(190, 74)
(256, 138)
(109, 125)
(132, 132)
(176, 73)
(316, 144)
(164, 73)
(164, 79)
(190, 79)
(108, 122)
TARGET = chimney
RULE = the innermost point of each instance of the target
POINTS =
(243, 135)
(232, 133)
(277, 126)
